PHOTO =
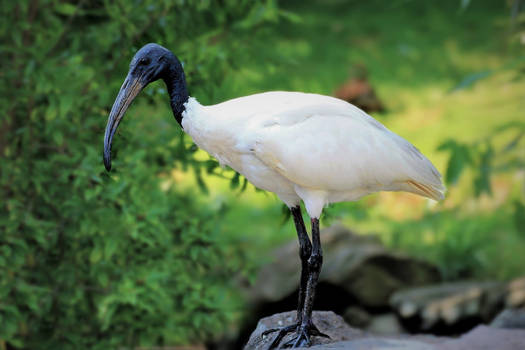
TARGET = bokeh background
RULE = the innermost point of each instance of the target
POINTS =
(151, 253)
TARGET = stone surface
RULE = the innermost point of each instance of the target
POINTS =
(357, 317)
(510, 318)
(326, 321)
(449, 303)
(386, 324)
(480, 338)
(377, 344)
(345, 337)
(487, 338)
(515, 296)
(359, 264)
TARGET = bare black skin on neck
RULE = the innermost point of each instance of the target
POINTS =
(177, 90)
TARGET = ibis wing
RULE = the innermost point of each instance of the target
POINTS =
(328, 144)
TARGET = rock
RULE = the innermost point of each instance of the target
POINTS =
(446, 305)
(487, 338)
(516, 293)
(510, 318)
(377, 344)
(385, 324)
(358, 264)
(345, 337)
(357, 317)
(326, 321)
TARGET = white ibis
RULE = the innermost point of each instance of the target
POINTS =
(302, 147)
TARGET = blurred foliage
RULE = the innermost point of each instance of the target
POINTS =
(485, 158)
(96, 260)
(488, 245)
(479, 244)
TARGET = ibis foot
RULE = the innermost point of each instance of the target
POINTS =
(301, 339)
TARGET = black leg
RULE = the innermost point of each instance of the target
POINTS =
(307, 328)
(312, 260)
(314, 268)
(305, 250)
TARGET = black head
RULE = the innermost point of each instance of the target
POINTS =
(152, 62)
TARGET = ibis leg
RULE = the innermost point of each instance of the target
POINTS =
(315, 261)
(311, 261)
(306, 328)
(305, 250)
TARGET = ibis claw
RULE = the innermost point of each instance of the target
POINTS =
(301, 339)
(282, 333)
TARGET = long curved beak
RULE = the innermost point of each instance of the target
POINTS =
(129, 90)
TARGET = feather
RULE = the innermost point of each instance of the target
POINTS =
(311, 147)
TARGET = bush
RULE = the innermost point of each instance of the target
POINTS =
(87, 259)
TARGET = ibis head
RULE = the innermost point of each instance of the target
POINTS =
(152, 62)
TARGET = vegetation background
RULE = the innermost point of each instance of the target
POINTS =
(150, 253)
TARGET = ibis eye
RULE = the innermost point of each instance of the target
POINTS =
(144, 61)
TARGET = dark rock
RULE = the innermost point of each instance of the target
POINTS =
(515, 296)
(385, 324)
(376, 343)
(447, 305)
(357, 317)
(510, 318)
(326, 321)
(358, 264)
(487, 338)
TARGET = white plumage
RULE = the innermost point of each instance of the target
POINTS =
(309, 147)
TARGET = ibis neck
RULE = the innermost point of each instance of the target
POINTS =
(178, 92)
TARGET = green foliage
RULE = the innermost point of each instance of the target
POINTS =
(486, 156)
(519, 217)
(464, 246)
(463, 249)
(459, 158)
(87, 259)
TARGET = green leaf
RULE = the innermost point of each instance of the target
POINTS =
(460, 157)
(211, 165)
(234, 182)
(514, 142)
(482, 180)
(65, 8)
(244, 184)
(519, 217)
(95, 256)
(200, 182)
(469, 80)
